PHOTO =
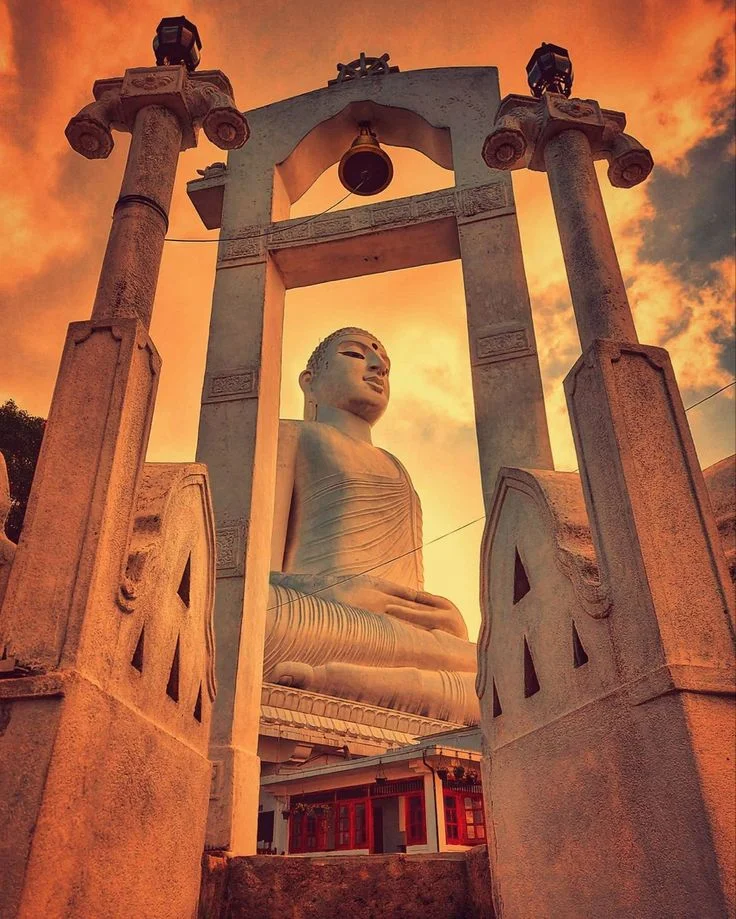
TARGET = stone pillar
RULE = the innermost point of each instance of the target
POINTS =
(670, 625)
(510, 418)
(436, 830)
(98, 748)
(238, 435)
(598, 293)
(129, 274)
(431, 782)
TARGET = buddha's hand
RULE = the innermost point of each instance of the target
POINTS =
(377, 595)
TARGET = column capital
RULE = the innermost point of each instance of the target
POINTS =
(524, 124)
(199, 100)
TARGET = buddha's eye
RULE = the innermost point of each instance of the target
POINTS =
(354, 354)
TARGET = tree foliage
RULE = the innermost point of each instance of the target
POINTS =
(20, 442)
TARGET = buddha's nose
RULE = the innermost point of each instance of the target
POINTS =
(377, 363)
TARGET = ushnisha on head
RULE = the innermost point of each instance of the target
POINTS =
(349, 371)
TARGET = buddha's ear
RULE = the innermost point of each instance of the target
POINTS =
(310, 406)
(305, 381)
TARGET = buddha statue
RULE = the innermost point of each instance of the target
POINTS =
(348, 615)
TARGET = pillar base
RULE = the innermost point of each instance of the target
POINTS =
(101, 801)
(236, 780)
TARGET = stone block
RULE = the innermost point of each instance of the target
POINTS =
(103, 765)
(617, 791)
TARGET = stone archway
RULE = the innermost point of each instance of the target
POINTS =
(444, 113)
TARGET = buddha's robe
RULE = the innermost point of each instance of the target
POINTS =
(350, 509)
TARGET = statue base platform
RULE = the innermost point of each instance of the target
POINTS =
(295, 723)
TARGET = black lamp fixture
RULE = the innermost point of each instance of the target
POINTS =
(380, 774)
(549, 71)
(177, 41)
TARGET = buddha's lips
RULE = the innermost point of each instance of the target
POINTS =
(375, 383)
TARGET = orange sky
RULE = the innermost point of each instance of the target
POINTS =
(669, 66)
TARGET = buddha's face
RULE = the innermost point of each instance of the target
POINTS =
(353, 376)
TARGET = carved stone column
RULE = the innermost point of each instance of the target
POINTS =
(653, 714)
(562, 137)
(95, 765)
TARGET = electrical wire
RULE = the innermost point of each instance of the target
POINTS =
(429, 542)
(701, 401)
(360, 574)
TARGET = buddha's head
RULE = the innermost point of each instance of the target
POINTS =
(349, 370)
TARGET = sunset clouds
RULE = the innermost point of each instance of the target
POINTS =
(670, 67)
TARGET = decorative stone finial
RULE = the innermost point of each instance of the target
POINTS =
(363, 67)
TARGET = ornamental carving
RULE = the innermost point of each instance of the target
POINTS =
(288, 234)
(152, 81)
(239, 384)
(247, 242)
(575, 108)
(363, 67)
(437, 204)
(396, 213)
(501, 344)
(486, 198)
(331, 226)
(230, 539)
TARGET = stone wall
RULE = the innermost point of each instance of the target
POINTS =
(455, 886)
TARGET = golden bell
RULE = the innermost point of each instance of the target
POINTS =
(365, 169)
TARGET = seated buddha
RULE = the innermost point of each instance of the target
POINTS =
(348, 615)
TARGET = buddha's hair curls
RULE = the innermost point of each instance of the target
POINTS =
(317, 359)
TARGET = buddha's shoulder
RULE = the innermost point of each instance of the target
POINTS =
(293, 432)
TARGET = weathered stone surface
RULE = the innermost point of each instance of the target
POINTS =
(594, 730)
(367, 887)
(720, 480)
(478, 889)
(103, 764)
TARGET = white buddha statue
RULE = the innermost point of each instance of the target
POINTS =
(348, 614)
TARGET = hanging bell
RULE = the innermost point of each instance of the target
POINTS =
(365, 169)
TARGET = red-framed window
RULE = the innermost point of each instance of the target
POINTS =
(308, 833)
(416, 822)
(452, 822)
(465, 822)
(351, 831)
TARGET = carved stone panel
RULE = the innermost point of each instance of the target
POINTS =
(390, 213)
(484, 198)
(247, 243)
(501, 343)
(230, 548)
(251, 242)
(241, 383)
(436, 205)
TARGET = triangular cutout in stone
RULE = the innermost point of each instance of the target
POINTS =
(521, 581)
(531, 683)
(137, 659)
(172, 688)
(198, 706)
(185, 583)
(497, 710)
(579, 657)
